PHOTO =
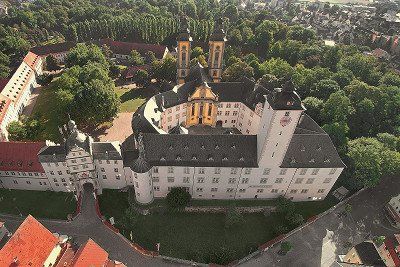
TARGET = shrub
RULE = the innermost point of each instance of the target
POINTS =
(178, 198)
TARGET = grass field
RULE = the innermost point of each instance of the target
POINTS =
(131, 99)
(202, 236)
(40, 204)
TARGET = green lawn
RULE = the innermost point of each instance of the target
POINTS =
(200, 236)
(131, 99)
(46, 107)
(40, 204)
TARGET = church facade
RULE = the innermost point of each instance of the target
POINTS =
(229, 140)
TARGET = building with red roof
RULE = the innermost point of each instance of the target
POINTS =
(59, 51)
(31, 245)
(20, 167)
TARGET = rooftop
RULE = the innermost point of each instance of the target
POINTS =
(20, 156)
(53, 48)
(90, 254)
(30, 245)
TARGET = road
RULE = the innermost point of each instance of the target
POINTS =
(321, 242)
(88, 225)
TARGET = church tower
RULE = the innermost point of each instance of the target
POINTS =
(183, 57)
(216, 53)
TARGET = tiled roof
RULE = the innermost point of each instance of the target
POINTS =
(4, 105)
(52, 154)
(90, 254)
(53, 48)
(30, 245)
(20, 156)
(229, 150)
(105, 150)
(125, 48)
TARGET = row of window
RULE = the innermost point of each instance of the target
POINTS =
(118, 177)
(243, 190)
(24, 173)
(228, 105)
(28, 182)
(115, 169)
(305, 191)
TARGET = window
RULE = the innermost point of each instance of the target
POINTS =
(48, 164)
(320, 191)
(215, 180)
(217, 170)
(73, 161)
(233, 170)
(155, 169)
(201, 171)
(287, 113)
(228, 105)
(247, 171)
(185, 180)
(156, 188)
(327, 180)
(283, 171)
(235, 113)
(266, 171)
(315, 171)
(170, 179)
(214, 189)
(236, 105)
(231, 180)
(28, 182)
(209, 110)
(59, 172)
(200, 180)
(83, 159)
(63, 180)
(227, 113)
(51, 172)
(107, 161)
(104, 176)
(278, 180)
(274, 191)
(57, 184)
(199, 189)
(193, 110)
(156, 179)
(229, 190)
(136, 184)
(245, 180)
(118, 176)
(75, 168)
(219, 113)
(170, 169)
(303, 171)
(242, 190)
(310, 180)
(263, 180)
(115, 161)
(102, 169)
(100, 161)
(299, 180)
(293, 191)
(68, 172)
(85, 166)
(260, 190)
(55, 180)
(332, 171)
(304, 191)
(186, 170)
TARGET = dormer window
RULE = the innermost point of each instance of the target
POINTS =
(312, 160)
(319, 147)
(186, 147)
(293, 160)
(224, 159)
(178, 158)
(194, 157)
(216, 146)
(327, 160)
(162, 158)
(210, 158)
(171, 147)
(203, 147)
(233, 146)
(241, 159)
(302, 148)
(290, 103)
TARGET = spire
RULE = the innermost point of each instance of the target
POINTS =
(141, 146)
(140, 165)
(218, 33)
(184, 32)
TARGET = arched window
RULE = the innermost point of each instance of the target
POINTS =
(209, 109)
(216, 57)
(192, 109)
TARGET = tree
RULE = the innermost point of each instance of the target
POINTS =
(278, 67)
(150, 57)
(389, 140)
(300, 33)
(270, 81)
(238, 71)
(295, 219)
(142, 77)
(44, 79)
(338, 132)
(82, 54)
(235, 37)
(324, 88)
(51, 63)
(363, 67)
(286, 246)
(165, 70)
(390, 78)
(337, 108)
(343, 77)
(284, 206)
(16, 131)
(4, 63)
(314, 108)
(264, 33)
(135, 58)
(197, 51)
(233, 218)
(130, 218)
(178, 198)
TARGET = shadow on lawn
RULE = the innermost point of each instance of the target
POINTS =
(137, 93)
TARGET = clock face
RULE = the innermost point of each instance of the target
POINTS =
(285, 120)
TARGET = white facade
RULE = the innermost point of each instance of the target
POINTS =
(24, 180)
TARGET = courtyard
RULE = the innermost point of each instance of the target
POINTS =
(202, 237)
(40, 204)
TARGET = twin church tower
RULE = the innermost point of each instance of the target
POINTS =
(215, 56)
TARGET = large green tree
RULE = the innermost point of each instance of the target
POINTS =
(82, 54)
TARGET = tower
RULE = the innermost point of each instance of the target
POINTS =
(202, 107)
(281, 113)
(216, 52)
(183, 51)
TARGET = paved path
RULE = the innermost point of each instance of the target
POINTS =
(120, 130)
(320, 243)
(88, 225)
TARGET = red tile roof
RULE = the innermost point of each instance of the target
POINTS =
(4, 105)
(20, 156)
(30, 245)
(31, 59)
(125, 48)
(3, 83)
(90, 254)
(53, 48)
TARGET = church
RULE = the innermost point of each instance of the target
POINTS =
(229, 140)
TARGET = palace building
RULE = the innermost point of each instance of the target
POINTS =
(228, 140)
(218, 140)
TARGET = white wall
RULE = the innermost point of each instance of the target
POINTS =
(110, 173)
(59, 176)
(24, 180)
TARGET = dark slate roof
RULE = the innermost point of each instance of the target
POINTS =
(285, 98)
(368, 254)
(218, 33)
(129, 156)
(201, 150)
(52, 154)
(105, 151)
(78, 139)
(199, 74)
(311, 147)
(53, 48)
(140, 123)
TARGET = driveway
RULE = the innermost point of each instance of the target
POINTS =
(120, 130)
(320, 243)
(88, 225)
